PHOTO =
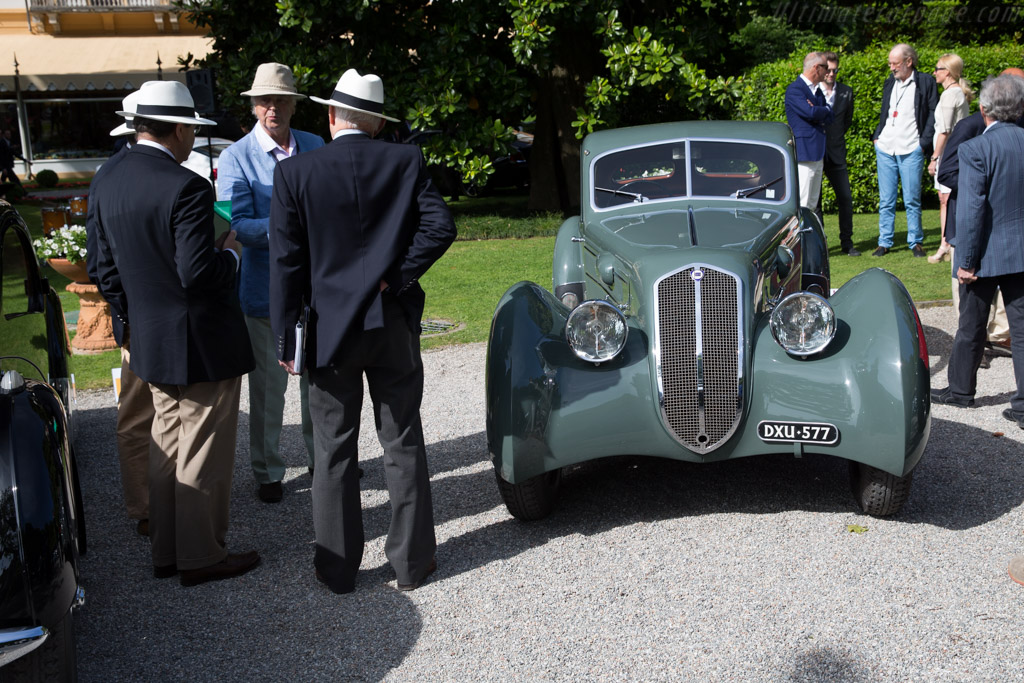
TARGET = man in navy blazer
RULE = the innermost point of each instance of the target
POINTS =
(245, 175)
(167, 280)
(990, 242)
(808, 114)
(353, 226)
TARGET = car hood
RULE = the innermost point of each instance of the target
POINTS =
(749, 230)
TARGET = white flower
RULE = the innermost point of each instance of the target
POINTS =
(66, 242)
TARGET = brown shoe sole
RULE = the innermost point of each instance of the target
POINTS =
(228, 568)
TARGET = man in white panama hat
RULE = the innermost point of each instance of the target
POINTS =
(135, 404)
(245, 176)
(166, 279)
(353, 226)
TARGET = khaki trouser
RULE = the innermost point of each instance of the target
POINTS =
(134, 433)
(190, 467)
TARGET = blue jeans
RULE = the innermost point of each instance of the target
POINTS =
(893, 170)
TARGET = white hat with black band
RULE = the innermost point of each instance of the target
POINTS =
(166, 101)
(358, 93)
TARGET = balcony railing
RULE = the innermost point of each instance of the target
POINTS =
(98, 5)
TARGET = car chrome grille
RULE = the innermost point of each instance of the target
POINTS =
(700, 355)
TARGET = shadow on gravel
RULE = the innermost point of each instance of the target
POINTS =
(275, 623)
(955, 487)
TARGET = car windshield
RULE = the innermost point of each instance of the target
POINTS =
(683, 168)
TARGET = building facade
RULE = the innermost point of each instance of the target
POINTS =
(65, 66)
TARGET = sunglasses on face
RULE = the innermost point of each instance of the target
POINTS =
(941, 68)
(833, 71)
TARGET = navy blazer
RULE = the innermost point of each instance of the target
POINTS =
(990, 207)
(117, 317)
(343, 218)
(159, 270)
(807, 121)
(926, 98)
(949, 166)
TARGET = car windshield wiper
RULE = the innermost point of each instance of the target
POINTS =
(740, 194)
(637, 197)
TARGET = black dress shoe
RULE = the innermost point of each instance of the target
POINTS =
(271, 493)
(164, 572)
(336, 591)
(946, 397)
(881, 251)
(142, 528)
(917, 251)
(852, 251)
(228, 568)
(1015, 416)
(416, 584)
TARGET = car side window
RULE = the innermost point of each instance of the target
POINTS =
(22, 331)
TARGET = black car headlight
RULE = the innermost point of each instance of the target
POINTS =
(596, 331)
(803, 323)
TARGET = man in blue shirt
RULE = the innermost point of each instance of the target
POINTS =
(245, 175)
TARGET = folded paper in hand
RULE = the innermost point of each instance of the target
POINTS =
(300, 340)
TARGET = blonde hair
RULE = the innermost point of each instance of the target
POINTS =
(955, 67)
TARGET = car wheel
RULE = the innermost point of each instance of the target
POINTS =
(54, 660)
(878, 493)
(533, 499)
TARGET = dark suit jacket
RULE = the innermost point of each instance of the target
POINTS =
(949, 166)
(157, 266)
(807, 122)
(990, 209)
(343, 218)
(842, 119)
(92, 247)
(926, 98)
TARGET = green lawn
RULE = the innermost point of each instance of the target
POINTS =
(500, 243)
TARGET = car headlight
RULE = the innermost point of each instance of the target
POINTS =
(596, 331)
(803, 323)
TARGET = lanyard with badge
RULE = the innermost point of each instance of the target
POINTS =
(899, 99)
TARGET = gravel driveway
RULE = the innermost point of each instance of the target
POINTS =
(648, 570)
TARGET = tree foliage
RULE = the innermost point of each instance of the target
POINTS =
(475, 69)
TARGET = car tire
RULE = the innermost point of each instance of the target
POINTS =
(533, 499)
(54, 660)
(878, 493)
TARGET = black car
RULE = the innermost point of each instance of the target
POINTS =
(510, 170)
(42, 526)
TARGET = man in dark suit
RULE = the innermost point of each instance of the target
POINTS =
(807, 114)
(353, 226)
(158, 267)
(990, 242)
(135, 403)
(903, 138)
(839, 98)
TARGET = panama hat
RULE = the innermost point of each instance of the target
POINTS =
(358, 93)
(273, 79)
(128, 104)
(166, 101)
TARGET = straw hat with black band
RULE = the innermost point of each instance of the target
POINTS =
(363, 94)
(166, 101)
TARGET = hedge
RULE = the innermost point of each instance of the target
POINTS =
(763, 92)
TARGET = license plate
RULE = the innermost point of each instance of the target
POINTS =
(819, 433)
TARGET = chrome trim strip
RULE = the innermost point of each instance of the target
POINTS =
(18, 642)
(740, 358)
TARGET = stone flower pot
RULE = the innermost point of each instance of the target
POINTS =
(94, 332)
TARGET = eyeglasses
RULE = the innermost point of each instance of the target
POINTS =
(198, 129)
(941, 68)
(833, 71)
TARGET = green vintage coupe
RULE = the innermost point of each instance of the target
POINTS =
(692, 318)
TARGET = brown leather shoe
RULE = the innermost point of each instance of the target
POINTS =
(416, 584)
(228, 568)
(142, 527)
(164, 572)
